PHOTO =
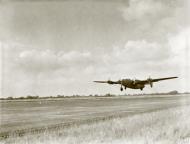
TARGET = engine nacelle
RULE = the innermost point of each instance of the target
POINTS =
(150, 82)
(109, 82)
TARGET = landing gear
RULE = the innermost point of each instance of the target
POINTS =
(125, 88)
(141, 89)
(121, 89)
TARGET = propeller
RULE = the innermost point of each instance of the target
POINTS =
(150, 81)
(134, 81)
(121, 82)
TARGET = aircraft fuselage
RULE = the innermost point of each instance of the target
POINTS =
(128, 83)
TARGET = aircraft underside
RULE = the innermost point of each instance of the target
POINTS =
(132, 86)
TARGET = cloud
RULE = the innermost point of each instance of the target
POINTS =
(180, 47)
(141, 9)
(146, 51)
(45, 72)
(136, 53)
(49, 60)
(155, 20)
(145, 37)
(27, 70)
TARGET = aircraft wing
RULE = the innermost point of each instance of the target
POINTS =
(109, 82)
(160, 79)
(149, 80)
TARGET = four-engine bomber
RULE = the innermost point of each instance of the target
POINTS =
(135, 84)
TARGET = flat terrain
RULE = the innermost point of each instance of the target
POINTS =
(27, 114)
(167, 126)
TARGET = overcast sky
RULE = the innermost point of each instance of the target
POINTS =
(50, 48)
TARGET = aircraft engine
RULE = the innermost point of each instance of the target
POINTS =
(150, 82)
(110, 82)
(134, 81)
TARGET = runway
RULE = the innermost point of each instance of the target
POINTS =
(22, 116)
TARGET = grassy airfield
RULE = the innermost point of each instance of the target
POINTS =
(97, 120)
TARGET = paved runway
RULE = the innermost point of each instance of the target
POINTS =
(33, 114)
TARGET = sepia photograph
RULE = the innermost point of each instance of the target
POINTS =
(94, 72)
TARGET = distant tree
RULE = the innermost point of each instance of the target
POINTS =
(10, 98)
(108, 95)
(186, 92)
(173, 92)
(60, 96)
(32, 97)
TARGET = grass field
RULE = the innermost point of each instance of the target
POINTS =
(151, 119)
(166, 127)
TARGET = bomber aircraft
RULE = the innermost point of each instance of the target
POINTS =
(135, 84)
